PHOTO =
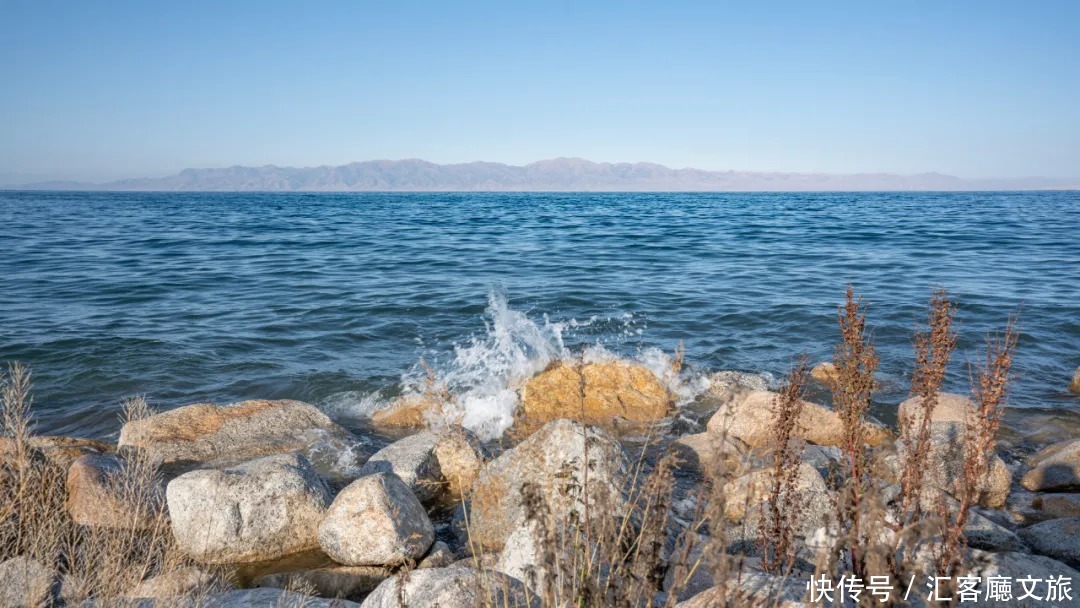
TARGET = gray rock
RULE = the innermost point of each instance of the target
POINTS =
(258, 511)
(553, 460)
(346, 582)
(1055, 468)
(1057, 505)
(220, 436)
(945, 467)
(1021, 565)
(983, 533)
(376, 521)
(682, 577)
(413, 460)
(748, 494)
(178, 583)
(726, 381)
(522, 558)
(27, 583)
(277, 598)
(439, 556)
(1056, 538)
(460, 456)
(754, 587)
(448, 588)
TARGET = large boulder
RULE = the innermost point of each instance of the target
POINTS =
(408, 412)
(746, 495)
(553, 460)
(950, 408)
(376, 521)
(1056, 538)
(346, 582)
(103, 490)
(702, 453)
(1054, 468)
(460, 456)
(448, 588)
(944, 470)
(413, 461)
(224, 435)
(603, 393)
(749, 416)
(258, 511)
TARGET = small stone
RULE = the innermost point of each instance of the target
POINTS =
(439, 556)
(376, 520)
(448, 588)
(258, 511)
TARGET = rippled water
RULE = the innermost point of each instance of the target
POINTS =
(330, 298)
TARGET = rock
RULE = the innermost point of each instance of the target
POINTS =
(448, 588)
(951, 408)
(614, 391)
(27, 583)
(1014, 566)
(522, 557)
(1057, 505)
(552, 459)
(277, 598)
(982, 533)
(1055, 468)
(221, 436)
(460, 457)
(723, 383)
(749, 417)
(824, 372)
(691, 575)
(376, 521)
(346, 582)
(184, 581)
(258, 511)
(752, 586)
(407, 412)
(60, 451)
(439, 556)
(104, 491)
(413, 460)
(745, 495)
(1074, 386)
(945, 467)
(1056, 538)
(706, 452)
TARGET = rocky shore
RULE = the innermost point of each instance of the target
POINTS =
(273, 503)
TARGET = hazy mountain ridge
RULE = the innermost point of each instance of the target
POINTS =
(559, 174)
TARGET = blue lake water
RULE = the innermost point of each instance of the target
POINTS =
(331, 298)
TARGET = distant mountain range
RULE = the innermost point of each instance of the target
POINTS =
(558, 175)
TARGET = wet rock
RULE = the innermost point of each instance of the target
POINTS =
(220, 436)
(413, 461)
(448, 588)
(749, 417)
(27, 583)
(704, 452)
(346, 582)
(439, 556)
(1014, 566)
(1054, 468)
(178, 583)
(375, 521)
(599, 393)
(258, 511)
(1057, 505)
(552, 460)
(105, 491)
(408, 412)
(1074, 386)
(1056, 538)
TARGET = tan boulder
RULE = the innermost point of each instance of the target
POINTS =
(749, 418)
(407, 412)
(705, 452)
(824, 372)
(104, 491)
(226, 435)
(460, 456)
(1074, 386)
(944, 469)
(1057, 505)
(594, 393)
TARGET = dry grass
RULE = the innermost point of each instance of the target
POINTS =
(101, 563)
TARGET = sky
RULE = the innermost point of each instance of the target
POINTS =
(102, 90)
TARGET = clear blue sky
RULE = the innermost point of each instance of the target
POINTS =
(100, 90)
